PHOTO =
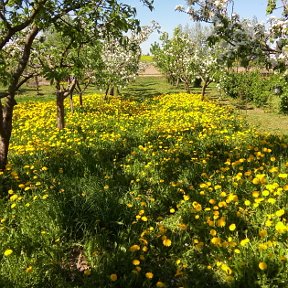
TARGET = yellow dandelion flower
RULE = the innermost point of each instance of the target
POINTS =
(138, 268)
(136, 262)
(222, 204)
(271, 200)
(263, 233)
(226, 269)
(232, 227)
(247, 203)
(255, 194)
(167, 242)
(280, 212)
(144, 218)
(8, 252)
(172, 210)
(149, 275)
(255, 181)
(244, 242)
(212, 201)
(213, 232)
(186, 197)
(262, 266)
(160, 284)
(29, 269)
(216, 241)
(280, 227)
(223, 194)
(145, 249)
(221, 222)
(197, 206)
(113, 277)
(262, 246)
(134, 248)
(273, 169)
(13, 197)
(268, 223)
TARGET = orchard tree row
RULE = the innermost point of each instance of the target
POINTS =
(70, 43)
(186, 57)
(205, 52)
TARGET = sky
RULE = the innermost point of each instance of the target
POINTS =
(164, 13)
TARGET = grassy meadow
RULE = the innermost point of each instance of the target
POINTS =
(145, 190)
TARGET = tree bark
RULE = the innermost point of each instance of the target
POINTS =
(6, 111)
(205, 85)
(60, 97)
(37, 85)
(71, 103)
(6, 114)
(81, 99)
(187, 86)
(60, 110)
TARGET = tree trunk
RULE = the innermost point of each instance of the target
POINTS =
(6, 111)
(187, 86)
(60, 110)
(6, 114)
(205, 85)
(37, 85)
(81, 99)
(71, 103)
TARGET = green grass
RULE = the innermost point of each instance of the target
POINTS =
(146, 58)
(266, 119)
(147, 174)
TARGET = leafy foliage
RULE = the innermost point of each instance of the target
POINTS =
(253, 86)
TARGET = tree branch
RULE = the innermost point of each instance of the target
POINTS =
(23, 61)
(13, 30)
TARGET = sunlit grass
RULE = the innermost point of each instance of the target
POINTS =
(146, 58)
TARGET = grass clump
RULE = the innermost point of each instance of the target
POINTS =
(168, 192)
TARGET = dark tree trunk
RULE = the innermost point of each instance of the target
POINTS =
(204, 87)
(6, 114)
(71, 103)
(187, 87)
(6, 111)
(81, 99)
(60, 97)
(60, 110)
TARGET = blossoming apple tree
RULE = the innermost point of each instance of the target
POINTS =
(266, 41)
(174, 57)
(121, 59)
(27, 20)
(187, 56)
